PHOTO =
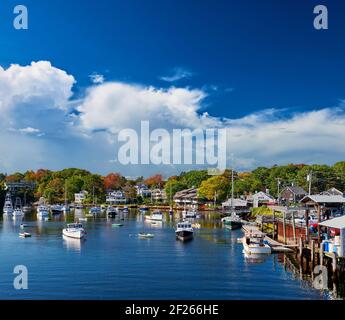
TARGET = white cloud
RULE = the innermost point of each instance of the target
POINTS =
(178, 74)
(114, 106)
(36, 85)
(29, 130)
(39, 96)
(97, 78)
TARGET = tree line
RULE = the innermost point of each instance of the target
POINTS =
(56, 185)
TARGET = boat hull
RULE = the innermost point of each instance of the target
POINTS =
(73, 234)
(233, 225)
(184, 235)
(256, 249)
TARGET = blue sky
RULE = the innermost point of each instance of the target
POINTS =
(244, 56)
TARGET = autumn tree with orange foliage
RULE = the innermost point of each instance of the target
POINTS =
(155, 181)
(113, 181)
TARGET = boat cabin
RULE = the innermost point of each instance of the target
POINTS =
(184, 225)
(74, 226)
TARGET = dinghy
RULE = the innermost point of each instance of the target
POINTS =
(24, 235)
(145, 235)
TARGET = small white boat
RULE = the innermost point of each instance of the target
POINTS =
(23, 226)
(111, 211)
(125, 210)
(42, 209)
(189, 214)
(42, 212)
(145, 235)
(74, 230)
(144, 209)
(95, 210)
(253, 243)
(24, 234)
(155, 216)
(57, 209)
(82, 219)
(184, 231)
(8, 206)
(18, 212)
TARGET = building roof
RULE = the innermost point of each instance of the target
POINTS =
(237, 203)
(338, 223)
(324, 198)
(192, 192)
(298, 191)
(262, 196)
(333, 191)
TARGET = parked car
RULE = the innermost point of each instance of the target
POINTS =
(312, 219)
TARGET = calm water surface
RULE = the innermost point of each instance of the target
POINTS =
(113, 263)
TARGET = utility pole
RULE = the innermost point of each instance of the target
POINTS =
(278, 189)
(309, 178)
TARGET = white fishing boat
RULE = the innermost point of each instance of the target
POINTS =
(74, 230)
(155, 216)
(8, 206)
(111, 211)
(125, 210)
(253, 243)
(184, 231)
(57, 209)
(42, 209)
(95, 210)
(189, 213)
(18, 211)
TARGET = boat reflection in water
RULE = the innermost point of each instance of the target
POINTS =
(254, 258)
(73, 244)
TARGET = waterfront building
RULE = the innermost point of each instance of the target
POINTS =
(333, 192)
(116, 197)
(292, 194)
(21, 185)
(187, 198)
(80, 197)
(239, 205)
(261, 199)
(143, 190)
(158, 195)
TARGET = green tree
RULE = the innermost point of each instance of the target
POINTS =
(217, 185)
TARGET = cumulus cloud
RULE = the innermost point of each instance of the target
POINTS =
(97, 78)
(114, 106)
(36, 84)
(178, 74)
(36, 100)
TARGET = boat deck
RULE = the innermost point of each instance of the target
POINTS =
(275, 245)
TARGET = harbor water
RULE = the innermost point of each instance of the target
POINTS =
(114, 263)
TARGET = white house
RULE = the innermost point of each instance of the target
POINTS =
(143, 190)
(80, 197)
(116, 197)
(158, 195)
(262, 198)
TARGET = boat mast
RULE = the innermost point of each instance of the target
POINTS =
(232, 186)
(65, 194)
